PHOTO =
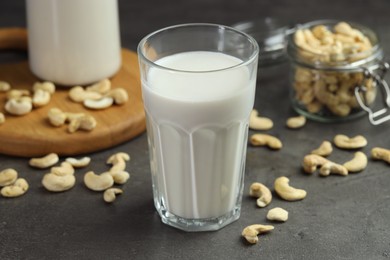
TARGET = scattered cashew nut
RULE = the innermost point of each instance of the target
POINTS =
(65, 169)
(120, 177)
(78, 163)
(266, 140)
(58, 183)
(19, 106)
(286, 192)
(98, 182)
(40, 98)
(4, 86)
(119, 95)
(2, 118)
(277, 214)
(379, 153)
(333, 168)
(44, 162)
(259, 123)
(324, 149)
(98, 104)
(45, 86)
(101, 87)
(251, 232)
(261, 192)
(18, 188)
(8, 177)
(56, 117)
(343, 141)
(312, 161)
(296, 122)
(85, 122)
(357, 164)
(78, 94)
(109, 195)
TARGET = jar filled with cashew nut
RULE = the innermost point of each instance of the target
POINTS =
(336, 69)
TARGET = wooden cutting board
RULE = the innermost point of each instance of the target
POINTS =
(32, 135)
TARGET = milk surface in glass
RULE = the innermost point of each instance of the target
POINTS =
(197, 129)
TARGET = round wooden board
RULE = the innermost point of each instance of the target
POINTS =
(32, 135)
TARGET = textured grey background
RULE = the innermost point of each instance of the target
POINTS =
(341, 218)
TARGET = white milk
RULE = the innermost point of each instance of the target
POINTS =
(73, 42)
(197, 129)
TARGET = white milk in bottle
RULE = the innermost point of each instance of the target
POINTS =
(73, 42)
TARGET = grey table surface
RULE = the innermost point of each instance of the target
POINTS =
(341, 218)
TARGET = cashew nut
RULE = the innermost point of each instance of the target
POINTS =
(85, 122)
(65, 169)
(98, 182)
(120, 177)
(97, 104)
(40, 98)
(119, 95)
(358, 163)
(46, 86)
(296, 122)
(44, 162)
(325, 149)
(58, 183)
(259, 123)
(250, 232)
(56, 117)
(78, 163)
(2, 118)
(333, 168)
(286, 192)
(266, 140)
(17, 93)
(4, 86)
(110, 194)
(343, 141)
(7, 177)
(78, 94)
(101, 87)
(18, 188)
(71, 116)
(277, 214)
(19, 106)
(312, 161)
(379, 153)
(118, 157)
(261, 192)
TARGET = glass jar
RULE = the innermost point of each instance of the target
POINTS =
(335, 74)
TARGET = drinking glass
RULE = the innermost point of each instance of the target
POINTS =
(198, 86)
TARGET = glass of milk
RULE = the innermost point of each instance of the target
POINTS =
(198, 85)
(73, 42)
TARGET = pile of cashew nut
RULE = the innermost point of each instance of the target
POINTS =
(61, 178)
(76, 121)
(317, 90)
(264, 198)
(316, 159)
(12, 186)
(99, 95)
(21, 102)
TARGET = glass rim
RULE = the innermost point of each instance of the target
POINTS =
(253, 56)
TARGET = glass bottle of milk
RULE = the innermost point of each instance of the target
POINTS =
(73, 42)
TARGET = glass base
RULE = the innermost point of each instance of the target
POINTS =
(196, 225)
